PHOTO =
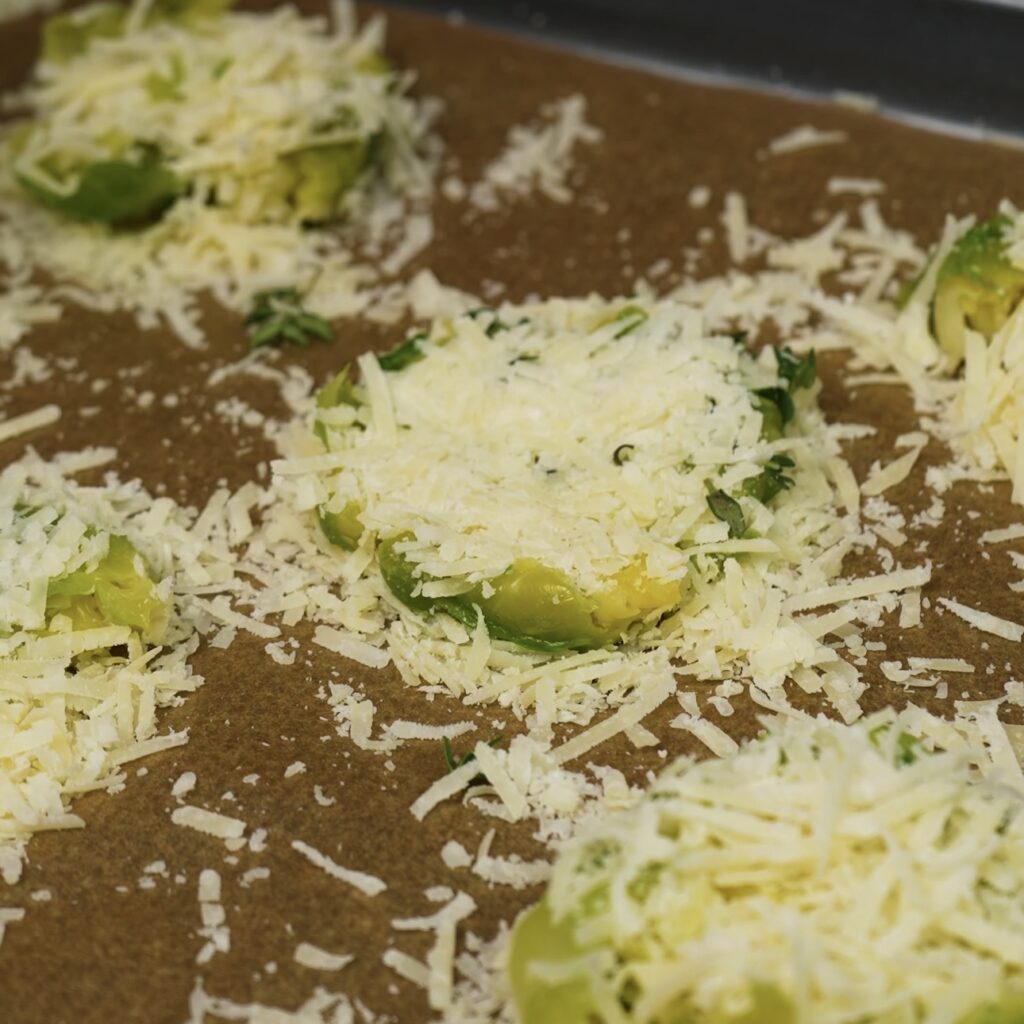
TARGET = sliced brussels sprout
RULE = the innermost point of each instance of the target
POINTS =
(343, 529)
(114, 593)
(538, 938)
(121, 193)
(339, 390)
(976, 286)
(535, 606)
(69, 34)
(323, 175)
(541, 944)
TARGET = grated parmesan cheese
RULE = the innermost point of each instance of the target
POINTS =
(317, 959)
(804, 137)
(537, 157)
(984, 621)
(214, 929)
(368, 885)
(71, 710)
(812, 866)
(577, 381)
(1015, 532)
(839, 185)
(881, 478)
(321, 1007)
(212, 823)
(27, 422)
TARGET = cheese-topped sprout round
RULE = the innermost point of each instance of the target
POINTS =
(65, 575)
(977, 285)
(823, 873)
(572, 474)
(96, 628)
(268, 116)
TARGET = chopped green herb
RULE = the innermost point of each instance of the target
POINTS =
(403, 355)
(278, 315)
(454, 763)
(799, 371)
(877, 732)
(496, 324)
(771, 480)
(908, 748)
(739, 337)
(627, 319)
(631, 317)
(776, 408)
(780, 398)
(729, 511)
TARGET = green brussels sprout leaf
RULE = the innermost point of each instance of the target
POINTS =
(120, 193)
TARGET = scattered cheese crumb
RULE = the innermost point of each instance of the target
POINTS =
(369, 885)
(185, 783)
(221, 826)
(317, 959)
(804, 137)
(28, 421)
(984, 621)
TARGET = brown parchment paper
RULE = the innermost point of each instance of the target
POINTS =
(95, 954)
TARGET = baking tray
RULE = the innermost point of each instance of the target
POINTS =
(104, 950)
(949, 62)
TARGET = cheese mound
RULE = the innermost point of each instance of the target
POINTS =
(95, 632)
(508, 497)
(986, 405)
(957, 341)
(167, 155)
(822, 873)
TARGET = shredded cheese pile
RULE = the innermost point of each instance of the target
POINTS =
(77, 703)
(537, 157)
(240, 95)
(981, 410)
(847, 869)
(519, 460)
(977, 408)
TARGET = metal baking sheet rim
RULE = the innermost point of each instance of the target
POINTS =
(961, 107)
